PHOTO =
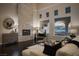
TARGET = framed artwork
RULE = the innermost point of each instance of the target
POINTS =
(8, 23)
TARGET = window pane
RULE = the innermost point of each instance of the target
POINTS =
(60, 28)
(56, 12)
(47, 14)
(67, 9)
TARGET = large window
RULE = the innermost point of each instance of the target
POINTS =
(60, 28)
(62, 25)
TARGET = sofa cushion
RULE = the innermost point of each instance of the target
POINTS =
(74, 42)
(35, 50)
(48, 50)
(68, 50)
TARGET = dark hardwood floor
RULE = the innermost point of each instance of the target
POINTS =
(14, 49)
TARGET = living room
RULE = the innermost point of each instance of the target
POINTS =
(25, 26)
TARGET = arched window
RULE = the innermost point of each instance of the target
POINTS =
(62, 25)
(60, 28)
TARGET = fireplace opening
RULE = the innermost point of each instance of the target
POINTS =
(25, 32)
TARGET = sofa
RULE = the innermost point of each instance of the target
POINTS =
(70, 49)
(36, 50)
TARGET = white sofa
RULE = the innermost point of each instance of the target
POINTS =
(36, 50)
(68, 50)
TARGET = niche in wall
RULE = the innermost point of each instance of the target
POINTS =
(40, 16)
(44, 26)
(44, 23)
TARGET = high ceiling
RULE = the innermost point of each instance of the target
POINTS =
(44, 5)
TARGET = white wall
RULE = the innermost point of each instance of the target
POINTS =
(35, 16)
(25, 14)
(75, 15)
(6, 11)
(22, 12)
(28, 16)
(61, 13)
